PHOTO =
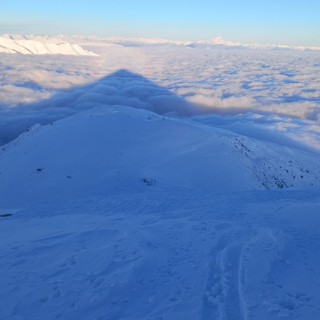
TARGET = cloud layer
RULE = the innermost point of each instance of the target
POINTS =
(170, 79)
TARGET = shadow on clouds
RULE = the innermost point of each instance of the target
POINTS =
(123, 88)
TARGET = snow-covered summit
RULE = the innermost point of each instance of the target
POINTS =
(122, 149)
(40, 45)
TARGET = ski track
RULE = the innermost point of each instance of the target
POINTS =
(224, 297)
(100, 259)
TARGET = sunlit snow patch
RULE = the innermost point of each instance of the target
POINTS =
(40, 45)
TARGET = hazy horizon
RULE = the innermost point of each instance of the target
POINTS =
(286, 23)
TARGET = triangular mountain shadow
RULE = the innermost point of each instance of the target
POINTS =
(122, 88)
(119, 88)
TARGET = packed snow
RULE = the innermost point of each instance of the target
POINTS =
(160, 181)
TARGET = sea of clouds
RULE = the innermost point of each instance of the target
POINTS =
(264, 93)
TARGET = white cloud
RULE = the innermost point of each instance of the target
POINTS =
(292, 132)
(168, 79)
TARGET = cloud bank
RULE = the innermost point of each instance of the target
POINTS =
(211, 43)
(166, 79)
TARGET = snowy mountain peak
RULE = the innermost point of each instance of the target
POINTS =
(40, 45)
(124, 149)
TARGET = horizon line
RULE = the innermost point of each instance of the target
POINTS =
(215, 40)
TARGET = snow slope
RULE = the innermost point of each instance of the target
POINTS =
(40, 45)
(127, 145)
(119, 213)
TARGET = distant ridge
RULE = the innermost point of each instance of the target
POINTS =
(72, 45)
(40, 45)
(213, 42)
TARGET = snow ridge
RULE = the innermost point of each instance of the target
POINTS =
(40, 45)
(216, 42)
(106, 214)
(69, 45)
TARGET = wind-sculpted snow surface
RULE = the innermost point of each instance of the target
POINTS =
(153, 255)
(118, 213)
(141, 148)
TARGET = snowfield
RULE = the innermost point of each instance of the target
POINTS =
(121, 149)
(123, 197)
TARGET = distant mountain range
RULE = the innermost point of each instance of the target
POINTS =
(214, 42)
(40, 45)
(72, 45)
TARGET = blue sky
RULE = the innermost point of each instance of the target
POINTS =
(292, 22)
